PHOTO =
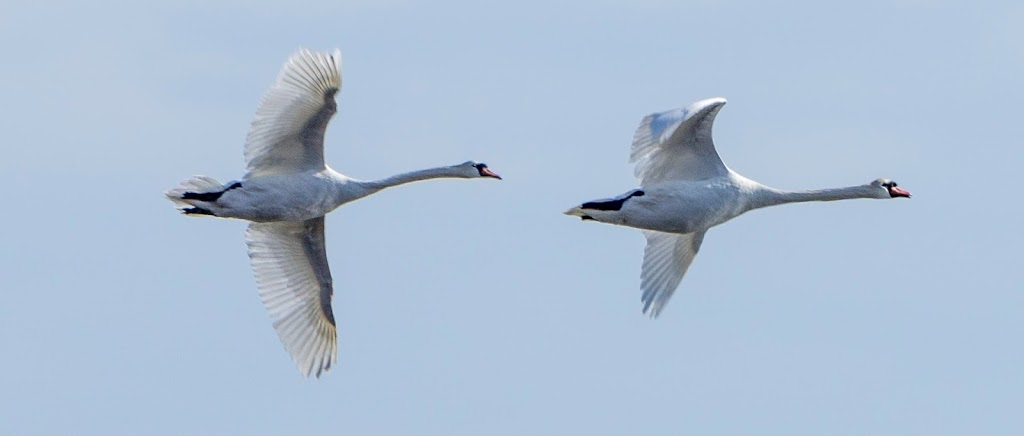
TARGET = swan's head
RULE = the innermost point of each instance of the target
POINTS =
(888, 189)
(472, 170)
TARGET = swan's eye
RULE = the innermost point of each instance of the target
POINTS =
(893, 185)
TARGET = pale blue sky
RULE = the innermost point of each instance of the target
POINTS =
(476, 307)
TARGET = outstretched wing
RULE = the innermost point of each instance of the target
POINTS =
(677, 145)
(294, 282)
(666, 259)
(287, 133)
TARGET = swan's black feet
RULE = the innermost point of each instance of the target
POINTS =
(197, 211)
(587, 217)
(611, 204)
(208, 196)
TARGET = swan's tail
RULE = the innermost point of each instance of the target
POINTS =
(191, 196)
(578, 212)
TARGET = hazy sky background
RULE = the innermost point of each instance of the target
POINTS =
(476, 307)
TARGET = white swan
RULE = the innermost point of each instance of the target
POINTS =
(685, 189)
(286, 191)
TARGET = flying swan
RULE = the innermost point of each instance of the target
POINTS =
(685, 189)
(285, 193)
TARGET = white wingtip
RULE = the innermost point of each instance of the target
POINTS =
(311, 71)
(714, 100)
(706, 103)
(652, 308)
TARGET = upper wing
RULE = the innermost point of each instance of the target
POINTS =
(287, 134)
(677, 145)
(666, 259)
(294, 282)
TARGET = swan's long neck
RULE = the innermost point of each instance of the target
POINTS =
(771, 196)
(412, 176)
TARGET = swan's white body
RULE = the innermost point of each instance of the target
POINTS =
(286, 191)
(314, 193)
(686, 190)
(287, 197)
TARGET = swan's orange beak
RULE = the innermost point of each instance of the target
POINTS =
(486, 172)
(897, 192)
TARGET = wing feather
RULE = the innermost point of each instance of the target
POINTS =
(677, 145)
(289, 260)
(666, 259)
(287, 133)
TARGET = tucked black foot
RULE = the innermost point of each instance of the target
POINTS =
(197, 211)
(587, 218)
(209, 196)
(611, 204)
